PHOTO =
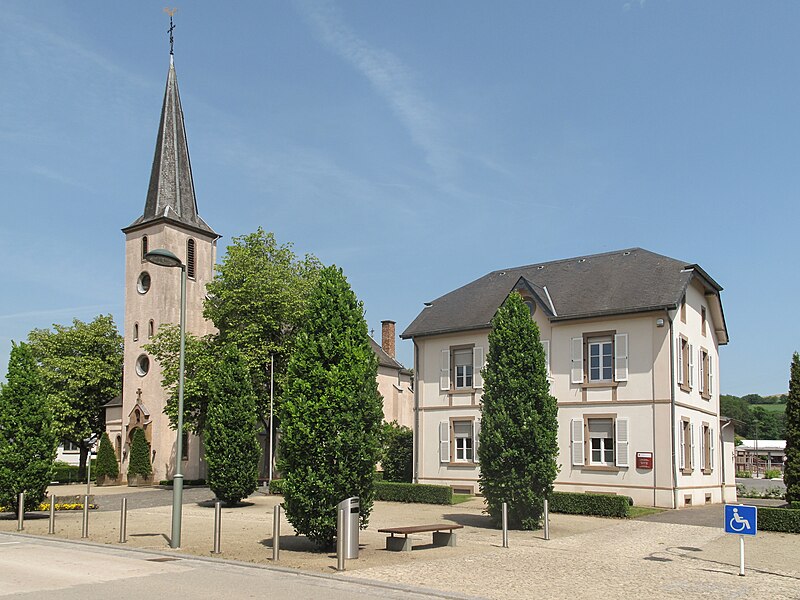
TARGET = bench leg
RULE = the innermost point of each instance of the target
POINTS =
(398, 544)
(444, 538)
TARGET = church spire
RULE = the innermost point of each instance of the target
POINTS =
(171, 195)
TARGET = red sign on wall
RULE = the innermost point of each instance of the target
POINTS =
(644, 460)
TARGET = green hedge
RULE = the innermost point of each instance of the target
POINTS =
(786, 520)
(389, 491)
(602, 505)
(66, 473)
(168, 482)
(795, 505)
(276, 486)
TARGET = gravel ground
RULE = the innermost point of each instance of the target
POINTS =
(586, 556)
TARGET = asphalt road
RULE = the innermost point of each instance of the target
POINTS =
(33, 568)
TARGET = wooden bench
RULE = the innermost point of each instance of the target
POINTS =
(442, 535)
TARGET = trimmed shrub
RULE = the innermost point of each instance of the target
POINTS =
(398, 453)
(389, 491)
(744, 474)
(140, 464)
(276, 486)
(106, 460)
(786, 520)
(772, 474)
(793, 505)
(601, 505)
(66, 473)
(791, 469)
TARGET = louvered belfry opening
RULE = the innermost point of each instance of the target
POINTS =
(190, 259)
(144, 246)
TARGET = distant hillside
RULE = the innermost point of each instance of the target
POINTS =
(757, 417)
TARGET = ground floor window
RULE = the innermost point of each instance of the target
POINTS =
(462, 432)
(600, 441)
(601, 436)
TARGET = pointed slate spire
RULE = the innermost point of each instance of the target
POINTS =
(171, 192)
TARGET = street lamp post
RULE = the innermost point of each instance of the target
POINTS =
(165, 258)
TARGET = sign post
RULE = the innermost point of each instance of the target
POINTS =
(741, 520)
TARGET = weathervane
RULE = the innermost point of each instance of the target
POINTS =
(171, 12)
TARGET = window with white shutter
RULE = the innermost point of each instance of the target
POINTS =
(679, 352)
(576, 442)
(576, 347)
(710, 389)
(703, 463)
(621, 357)
(444, 374)
(682, 454)
(477, 365)
(476, 433)
(691, 447)
(691, 365)
(622, 443)
(546, 348)
(712, 445)
(702, 375)
(444, 441)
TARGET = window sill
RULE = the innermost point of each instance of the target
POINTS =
(600, 384)
(686, 471)
(466, 390)
(685, 388)
(606, 468)
(469, 464)
(705, 396)
(707, 471)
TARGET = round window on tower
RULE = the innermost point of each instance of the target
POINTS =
(142, 365)
(143, 283)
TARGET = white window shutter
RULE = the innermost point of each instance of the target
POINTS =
(444, 441)
(621, 357)
(710, 375)
(476, 433)
(444, 375)
(702, 371)
(691, 366)
(477, 366)
(622, 443)
(576, 435)
(577, 360)
(702, 449)
(679, 343)
(682, 459)
(691, 447)
(546, 347)
(711, 447)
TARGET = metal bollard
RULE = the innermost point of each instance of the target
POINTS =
(546, 519)
(217, 528)
(85, 528)
(123, 521)
(276, 532)
(52, 528)
(505, 524)
(21, 511)
(340, 547)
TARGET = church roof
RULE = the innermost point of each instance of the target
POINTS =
(170, 196)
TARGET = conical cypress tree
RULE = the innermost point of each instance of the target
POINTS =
(231, 446)
(331, 413)
(791, 472)
(139, 463)
(106, 465)
(519, 426)
(28, 442)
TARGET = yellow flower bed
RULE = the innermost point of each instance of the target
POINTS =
(45, 506)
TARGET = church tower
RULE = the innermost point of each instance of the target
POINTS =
(152, 293)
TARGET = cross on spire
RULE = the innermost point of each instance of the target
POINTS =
(171, 12)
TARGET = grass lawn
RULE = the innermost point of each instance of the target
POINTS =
(634, 512)
(459, 498)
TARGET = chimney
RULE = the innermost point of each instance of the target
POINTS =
(387, 337)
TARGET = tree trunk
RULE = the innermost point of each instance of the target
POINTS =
(82, 464)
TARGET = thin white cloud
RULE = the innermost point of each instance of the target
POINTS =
(52, 312)
(391, 78)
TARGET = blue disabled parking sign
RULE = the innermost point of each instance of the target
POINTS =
(741, 519)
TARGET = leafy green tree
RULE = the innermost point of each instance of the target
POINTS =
(81, 368)
(28, 441)
(199, 370)
(518, 444)
(398, 453)
(791, 472)
(331, 412)
(139, 463)
(106, 464)
(232, 449)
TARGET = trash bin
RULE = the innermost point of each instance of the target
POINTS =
(349, 526)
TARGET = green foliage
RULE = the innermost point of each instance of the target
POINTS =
(28, 441)
(186, 482)
(139, 463)
(231, 445)
(199, 364)
(276, 486)
(793, 505)
(772, 474)
(773, 492)
(518, 445)
(744, 474)
(786, 520)
(398, 452)
(601, 505)
(81, 369)
(257, 302)
(66, 473)
(388, 491)
(107, 465)
(791, 468)
(331, 413)
(756, 417)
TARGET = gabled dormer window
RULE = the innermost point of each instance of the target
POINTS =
(190, 259)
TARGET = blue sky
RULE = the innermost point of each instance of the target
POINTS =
(418, 145)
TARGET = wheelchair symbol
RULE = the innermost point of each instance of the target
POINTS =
(739, 523)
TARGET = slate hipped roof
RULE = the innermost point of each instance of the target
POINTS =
(621, 282)
(170, 195)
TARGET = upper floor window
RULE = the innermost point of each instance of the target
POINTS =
(600, 360)
(462, 361)
(143, 283)
(703, 319)
(144, 246)
(685, 353)
(151, 328)
(706, 379)
(135, 332)
(461, 368)
(190, 259)
(600, 357)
